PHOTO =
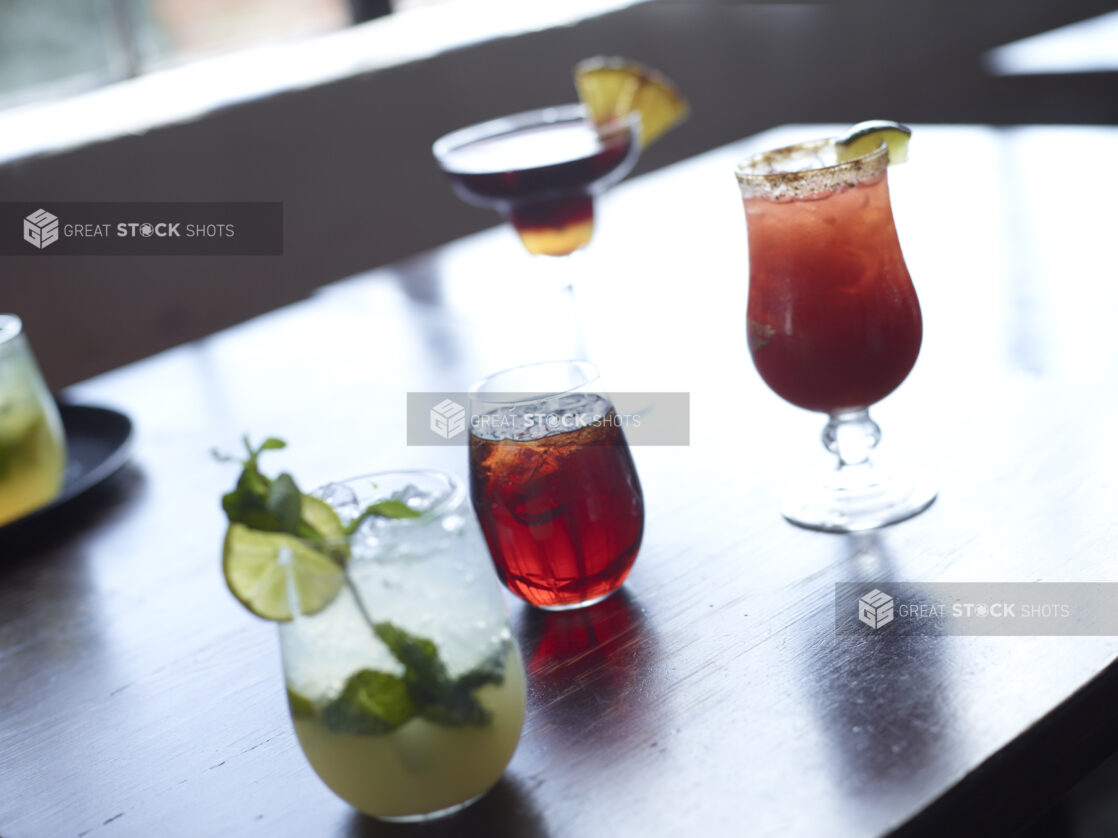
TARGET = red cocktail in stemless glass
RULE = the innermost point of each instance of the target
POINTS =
(833, 321)
(553, 484)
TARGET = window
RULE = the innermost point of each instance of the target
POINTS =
(50, 48)
(54, 48)
(170, 31)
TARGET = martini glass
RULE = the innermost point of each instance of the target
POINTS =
(833, 321)
(542, 170)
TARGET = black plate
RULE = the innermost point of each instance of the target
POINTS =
(98, 443)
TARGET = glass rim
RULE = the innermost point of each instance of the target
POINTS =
(477, 393)
(553, 114)
(454, 497)
(826, 177)
(11, 327)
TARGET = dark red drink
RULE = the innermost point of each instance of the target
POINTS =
(562, 512)
(541, 175)
(833, 320)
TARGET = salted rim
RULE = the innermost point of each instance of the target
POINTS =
(768, 174)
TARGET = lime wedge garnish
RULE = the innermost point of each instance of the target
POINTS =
(867, 136)
(259, 564)
(321, 515)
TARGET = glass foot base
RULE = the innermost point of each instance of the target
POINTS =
(430, 816)
(574, 606)
(855, 499)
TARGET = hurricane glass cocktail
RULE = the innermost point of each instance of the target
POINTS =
(407, 690)
(833, 322)
(32, 448)
(553, 484)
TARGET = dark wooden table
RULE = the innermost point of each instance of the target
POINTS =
(712, 696)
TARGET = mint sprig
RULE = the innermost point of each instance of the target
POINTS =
(263, 503)
(371, 702)
(275, 504)
(438, 697)
(375, 703)
(390, 508)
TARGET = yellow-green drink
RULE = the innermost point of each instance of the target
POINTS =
(407, 690)
(32, 451)
(421, 766)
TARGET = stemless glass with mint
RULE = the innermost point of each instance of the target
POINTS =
(405, 685)
(32, 449)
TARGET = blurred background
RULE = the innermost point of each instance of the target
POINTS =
(331, 107)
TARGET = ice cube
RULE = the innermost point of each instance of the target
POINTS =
(413, 496)
(342, 498)
(418, 744)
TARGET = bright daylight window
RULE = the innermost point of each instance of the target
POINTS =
(51, 48)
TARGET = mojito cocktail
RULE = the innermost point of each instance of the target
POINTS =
(404, 683)
(420, 714)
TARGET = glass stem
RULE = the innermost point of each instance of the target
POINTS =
(851, 436)
(556, 272)
(580, 353)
